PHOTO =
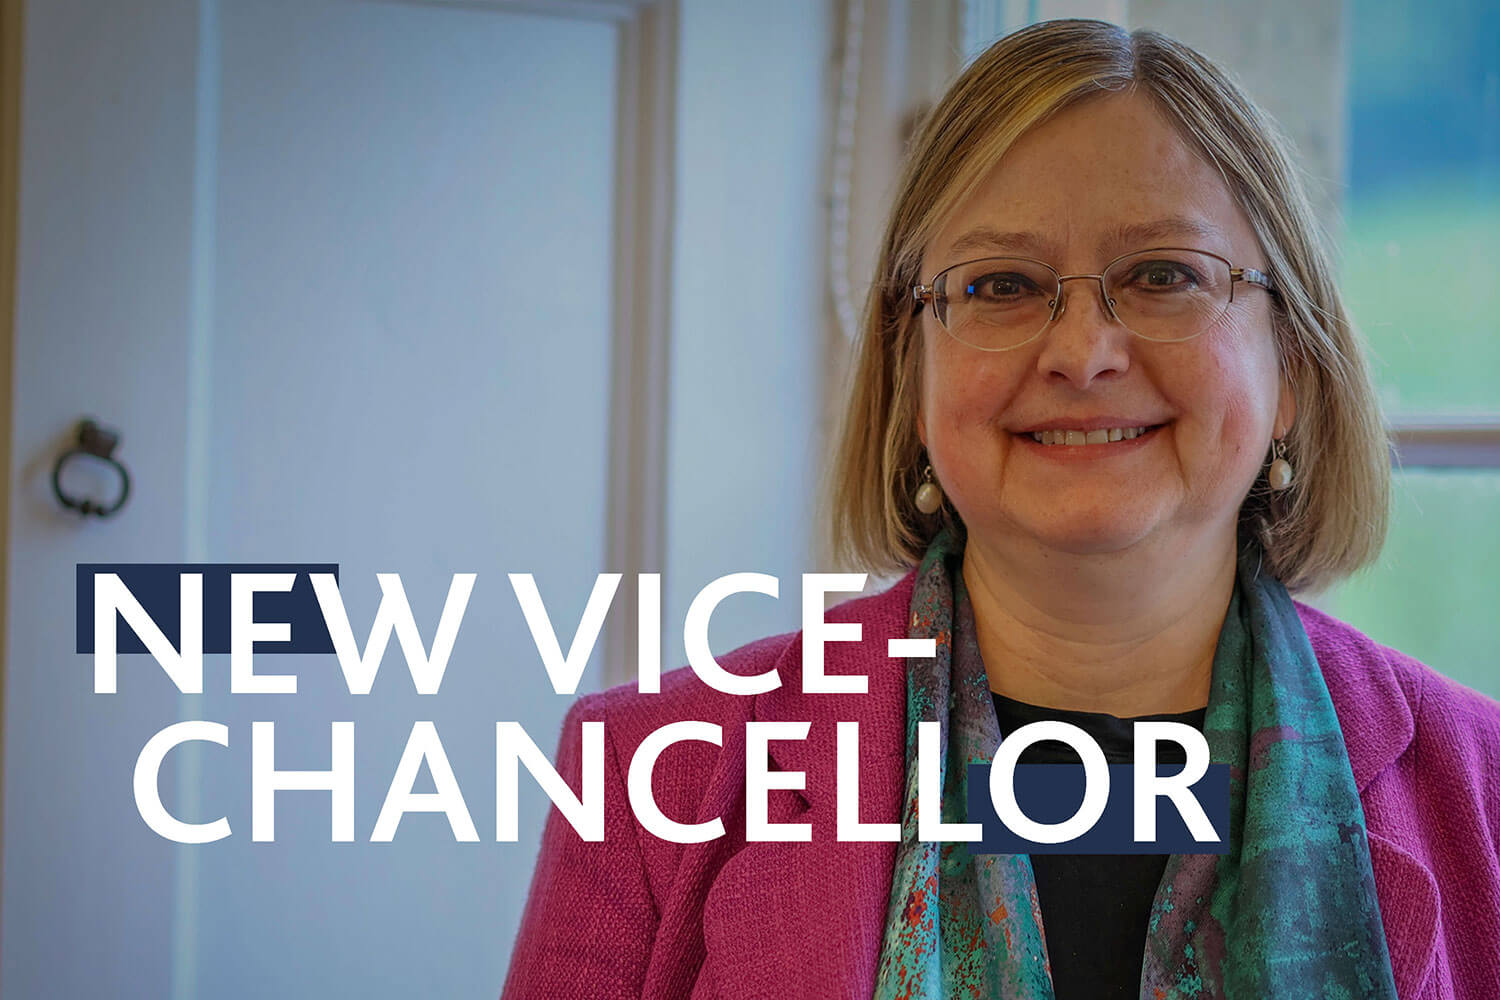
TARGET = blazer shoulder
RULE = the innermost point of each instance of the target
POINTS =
(632, 715)
(1341, 646)
(1372, 684)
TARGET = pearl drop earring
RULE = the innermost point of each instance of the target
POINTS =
(1280, 473)
(929, 496)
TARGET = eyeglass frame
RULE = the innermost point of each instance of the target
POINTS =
(925, 295)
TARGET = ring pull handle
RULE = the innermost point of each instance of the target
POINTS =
(96, 444)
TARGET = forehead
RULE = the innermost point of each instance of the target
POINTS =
(1104, 177)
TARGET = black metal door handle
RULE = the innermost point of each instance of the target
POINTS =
(95, 443)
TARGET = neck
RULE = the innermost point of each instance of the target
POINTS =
(1128, 633)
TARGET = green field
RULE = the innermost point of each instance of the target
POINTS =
(1420, 276)
(1435, 593)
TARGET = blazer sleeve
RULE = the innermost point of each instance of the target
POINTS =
(590, 918)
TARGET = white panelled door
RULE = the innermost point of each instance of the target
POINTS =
(339, 272)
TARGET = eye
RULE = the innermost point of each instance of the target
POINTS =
(1162, 276)
(1001, 287)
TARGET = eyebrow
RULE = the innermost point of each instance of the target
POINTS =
(1131, 237)
(1123, 238)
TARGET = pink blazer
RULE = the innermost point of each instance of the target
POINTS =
(635, 916)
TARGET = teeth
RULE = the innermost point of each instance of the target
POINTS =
(1088, 437)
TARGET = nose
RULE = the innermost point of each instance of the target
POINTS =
(1085, 342)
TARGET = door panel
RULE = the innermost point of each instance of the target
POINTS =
(339, 273)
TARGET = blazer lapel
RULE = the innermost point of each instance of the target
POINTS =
(1374, 712)
(806, 918)
(1376, 719)
(798, 919)
(1410, 912)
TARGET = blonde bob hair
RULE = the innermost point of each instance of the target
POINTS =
(1332, 520)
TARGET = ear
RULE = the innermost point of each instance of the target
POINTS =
(1286, 408)
(921, 425)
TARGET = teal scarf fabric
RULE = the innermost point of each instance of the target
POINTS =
(1290, 911)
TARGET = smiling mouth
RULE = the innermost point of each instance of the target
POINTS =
(1099, 436)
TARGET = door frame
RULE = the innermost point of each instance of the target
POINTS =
(12, 32)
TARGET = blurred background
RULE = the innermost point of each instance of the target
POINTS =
(439, 286)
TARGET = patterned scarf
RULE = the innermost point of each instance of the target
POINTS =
(1290, 911)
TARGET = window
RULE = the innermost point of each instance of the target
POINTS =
(1421, 210)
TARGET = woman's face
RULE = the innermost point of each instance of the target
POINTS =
(1102, 179)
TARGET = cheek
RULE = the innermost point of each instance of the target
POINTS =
(963, 391)
(1235, 392)
(963, 399)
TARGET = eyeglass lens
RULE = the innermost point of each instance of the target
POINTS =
(1158, 294)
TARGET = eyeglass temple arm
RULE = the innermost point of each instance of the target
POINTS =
(921, 295)
(1251, 276)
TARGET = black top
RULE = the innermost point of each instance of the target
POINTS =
(1095, 907)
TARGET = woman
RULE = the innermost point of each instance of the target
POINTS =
(1110, 407)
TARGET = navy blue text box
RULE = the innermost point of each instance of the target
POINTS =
(1052, 793)
(158, 588)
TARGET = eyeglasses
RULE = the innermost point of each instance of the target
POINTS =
(1163, 294)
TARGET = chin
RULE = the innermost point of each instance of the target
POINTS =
(1104, 539)
(1085, 529)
